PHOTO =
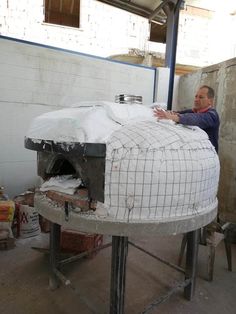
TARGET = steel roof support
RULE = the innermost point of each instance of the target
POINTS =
(172, 11)
(158, 9)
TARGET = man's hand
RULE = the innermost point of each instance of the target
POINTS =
(169, 115)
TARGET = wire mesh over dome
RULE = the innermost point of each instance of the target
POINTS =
(157, 171)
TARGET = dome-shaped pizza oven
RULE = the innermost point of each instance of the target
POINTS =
(142, 170)
(158, 170)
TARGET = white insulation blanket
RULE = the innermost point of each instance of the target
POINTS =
(87, 122)
(154, 170)
(157, 171)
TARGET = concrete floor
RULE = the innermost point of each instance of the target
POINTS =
(24, 281)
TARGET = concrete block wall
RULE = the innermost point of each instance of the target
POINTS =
(222, 77)
(101, 32)
(37, 79)
(193, 49)
(107, 31)
(204, 36)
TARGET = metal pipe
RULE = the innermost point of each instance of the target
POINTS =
(131, 7)
(158, 258)
(69, 284)
(171, 55)
(54, 253)
(62, 278)
(191, 263)
(165, 297)
(83, 254)
(118, 274)
(157, 10)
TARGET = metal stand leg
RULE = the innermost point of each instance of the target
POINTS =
(118, 272)
(211, 261)
(55, 233)
(182, 249)
(228, 253)
(191, 262)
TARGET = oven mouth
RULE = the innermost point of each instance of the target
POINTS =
(61, 166)
(85, 161)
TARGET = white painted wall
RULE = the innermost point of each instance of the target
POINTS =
(37, 79)
(104, 31)
(107, 31)
(162, 87)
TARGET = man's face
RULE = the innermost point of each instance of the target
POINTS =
(201, 100)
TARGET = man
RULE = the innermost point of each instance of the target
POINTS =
(205, 117)
(202, 115)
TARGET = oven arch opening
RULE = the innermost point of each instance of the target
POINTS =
(61, 166)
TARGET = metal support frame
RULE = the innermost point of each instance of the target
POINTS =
(55, 232)
(191, 263)
(118, 274)
(228, 253)
(165, 297)
(134, 8)
(157, 10)
(118, 268)
(75, 258)
(180, 269)
(172, 11)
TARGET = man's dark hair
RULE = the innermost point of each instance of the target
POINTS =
(210, 93)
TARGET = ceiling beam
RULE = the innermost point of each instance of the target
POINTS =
(157, 10)
(133, 8)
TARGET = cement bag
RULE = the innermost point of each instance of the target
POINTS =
(6, 226)
(29, 222)
(7, 209)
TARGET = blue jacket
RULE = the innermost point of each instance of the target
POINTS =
(208, 121)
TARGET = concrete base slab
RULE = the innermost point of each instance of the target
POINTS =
(106, 225)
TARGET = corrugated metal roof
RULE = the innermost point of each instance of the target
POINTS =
(150, 9)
